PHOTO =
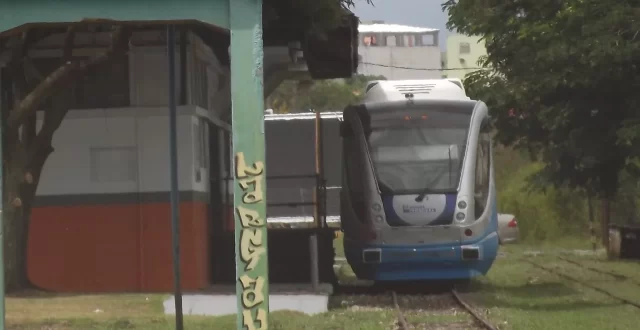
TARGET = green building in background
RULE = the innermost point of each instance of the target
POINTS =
(462, 54)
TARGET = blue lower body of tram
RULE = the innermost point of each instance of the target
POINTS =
(420, 262)
(443, 261)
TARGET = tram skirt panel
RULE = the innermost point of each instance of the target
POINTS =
(289, 256)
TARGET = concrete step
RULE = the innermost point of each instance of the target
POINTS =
(221, 300)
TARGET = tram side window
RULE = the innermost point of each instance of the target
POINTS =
(355, 177)
(483, 168)
(354, 154)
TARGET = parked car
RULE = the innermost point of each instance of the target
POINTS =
(507, 228)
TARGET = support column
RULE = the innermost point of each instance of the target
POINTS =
(173, 165)
(252, 281)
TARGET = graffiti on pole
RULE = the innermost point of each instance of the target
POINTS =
(251, 237)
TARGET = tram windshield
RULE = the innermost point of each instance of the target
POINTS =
(418, 151)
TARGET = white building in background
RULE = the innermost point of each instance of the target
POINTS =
(396, 51)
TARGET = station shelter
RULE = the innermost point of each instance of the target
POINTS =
(101, 216)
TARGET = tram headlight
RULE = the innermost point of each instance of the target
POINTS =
(460, 216)
(379, 218)
(462, 205)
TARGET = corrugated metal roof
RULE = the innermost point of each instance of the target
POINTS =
(393, 28)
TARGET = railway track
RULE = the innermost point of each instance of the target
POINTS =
(617, 276)
(477, 317)
(411, 300)
(583, 283)
(402, 321)
(479, 321)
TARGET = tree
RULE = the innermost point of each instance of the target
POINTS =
(25, 148)
(310, 16)
(324, 95)
(563, 82)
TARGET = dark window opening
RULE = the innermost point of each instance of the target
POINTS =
(103, 86)
(201, 88)
(370, 86)
(391, 41)
(370, 40)
(354, 152)
(428, 40)
(465, 48)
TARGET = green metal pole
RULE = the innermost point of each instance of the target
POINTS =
(252, 271)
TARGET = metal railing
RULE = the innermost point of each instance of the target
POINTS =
(317, 200)
(319, 196)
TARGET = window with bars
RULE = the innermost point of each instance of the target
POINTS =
(409, 40)
(369, 40)
(428, 40)
(201, 84)
(465, 48)
(200, 147)
(391, 41)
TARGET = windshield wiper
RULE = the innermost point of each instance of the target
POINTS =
(428, 190)
(423, 194)
(450, 165)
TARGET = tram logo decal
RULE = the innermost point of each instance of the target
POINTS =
(251, 231)
(417, 209)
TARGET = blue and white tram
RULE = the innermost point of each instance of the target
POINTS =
(418, 199)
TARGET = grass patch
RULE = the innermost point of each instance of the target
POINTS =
(629, 269)
(338, 246)
(514, 295)
(114, 312)
(40, 305)
(517, 295)
(281, 320)
(553, 246)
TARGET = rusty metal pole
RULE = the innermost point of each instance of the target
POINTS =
(323, 180)
(313, 251)
(313, 239)
(592, 230)
(317, 195)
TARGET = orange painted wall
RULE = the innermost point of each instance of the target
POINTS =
(116, 248)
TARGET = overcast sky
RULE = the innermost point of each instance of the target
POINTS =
(423, 13)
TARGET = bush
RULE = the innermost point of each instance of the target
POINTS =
(548, 215)
(552, 214)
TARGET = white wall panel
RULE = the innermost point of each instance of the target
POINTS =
(68, 169)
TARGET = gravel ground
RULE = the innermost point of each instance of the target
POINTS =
(422, 311)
